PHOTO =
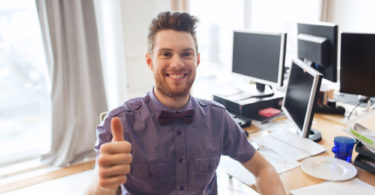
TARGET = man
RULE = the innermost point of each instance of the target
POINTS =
(169, 142)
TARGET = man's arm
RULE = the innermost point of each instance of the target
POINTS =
(267, 179)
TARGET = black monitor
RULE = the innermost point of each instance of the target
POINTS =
(317, 46)
(357, 73)
(260, 57)
(300, 98)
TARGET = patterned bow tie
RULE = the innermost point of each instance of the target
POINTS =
(167, 117)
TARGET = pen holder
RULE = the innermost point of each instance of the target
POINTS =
(343, 148)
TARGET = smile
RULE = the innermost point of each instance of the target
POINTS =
(177, 76)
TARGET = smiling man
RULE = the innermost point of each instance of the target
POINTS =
(174, 59)
(169, 142)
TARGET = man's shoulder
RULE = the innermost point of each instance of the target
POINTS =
(209, 103)
(128, 106)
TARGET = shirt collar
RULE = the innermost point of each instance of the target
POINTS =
(159, 106)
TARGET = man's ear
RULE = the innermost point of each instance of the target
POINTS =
(198, 59)
(149, 61)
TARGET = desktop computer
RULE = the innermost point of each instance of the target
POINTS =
(301, 97)
(259, 57)
(357, 74)
(317, 47)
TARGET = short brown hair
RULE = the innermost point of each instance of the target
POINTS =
(179, 21)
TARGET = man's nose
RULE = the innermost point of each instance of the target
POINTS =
(177, 61)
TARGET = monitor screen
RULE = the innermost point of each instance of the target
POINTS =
(259, 56)
(357, 73)
(317, 46)
(301, 95)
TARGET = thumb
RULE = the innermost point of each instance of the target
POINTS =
(117, 130)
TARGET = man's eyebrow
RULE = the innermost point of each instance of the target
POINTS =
(169, 50)
(188, 49)
(164, 49)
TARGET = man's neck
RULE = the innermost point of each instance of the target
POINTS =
(171, 102)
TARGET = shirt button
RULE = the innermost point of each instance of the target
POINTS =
(180, 160)
(178, 132)
(181, 188)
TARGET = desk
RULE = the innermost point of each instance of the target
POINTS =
(330, 126)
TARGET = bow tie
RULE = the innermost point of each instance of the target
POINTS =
(167, 117)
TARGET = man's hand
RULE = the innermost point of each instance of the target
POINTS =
(114, 159)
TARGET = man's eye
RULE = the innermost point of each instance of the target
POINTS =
(166, 54)
(187, 54)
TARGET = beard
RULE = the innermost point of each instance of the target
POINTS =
(180, 91)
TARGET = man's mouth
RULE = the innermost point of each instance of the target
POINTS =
(176, 76)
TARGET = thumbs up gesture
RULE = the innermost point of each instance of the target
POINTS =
(114, 159)
(117, 130)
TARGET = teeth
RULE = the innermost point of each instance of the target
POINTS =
(176, 76)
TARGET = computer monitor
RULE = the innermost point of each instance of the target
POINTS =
(260, 57)
(357, 73)
(300, 98)
(317, 46)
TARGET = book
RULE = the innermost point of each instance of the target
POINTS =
(364, 130)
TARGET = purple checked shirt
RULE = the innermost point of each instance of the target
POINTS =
(176, 158)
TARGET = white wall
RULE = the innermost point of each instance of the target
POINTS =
(353, 15)
(137, 15)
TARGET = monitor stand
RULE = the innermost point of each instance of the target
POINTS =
(261, 87)
(315, 135)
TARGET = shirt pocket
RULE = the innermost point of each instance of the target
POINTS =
(148, 179)
(150, 171)
(205, 169)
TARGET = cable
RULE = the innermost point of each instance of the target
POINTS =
(354, 109)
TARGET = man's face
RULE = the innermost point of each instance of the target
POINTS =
(174, 62)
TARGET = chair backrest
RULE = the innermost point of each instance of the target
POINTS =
(102, 116)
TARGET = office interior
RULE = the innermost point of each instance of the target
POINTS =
(37, 163)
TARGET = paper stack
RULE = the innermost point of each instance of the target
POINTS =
(364, 131)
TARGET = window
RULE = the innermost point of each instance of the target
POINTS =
(217, 20)
(25, 114)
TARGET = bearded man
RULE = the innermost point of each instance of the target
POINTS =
(169, 142)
